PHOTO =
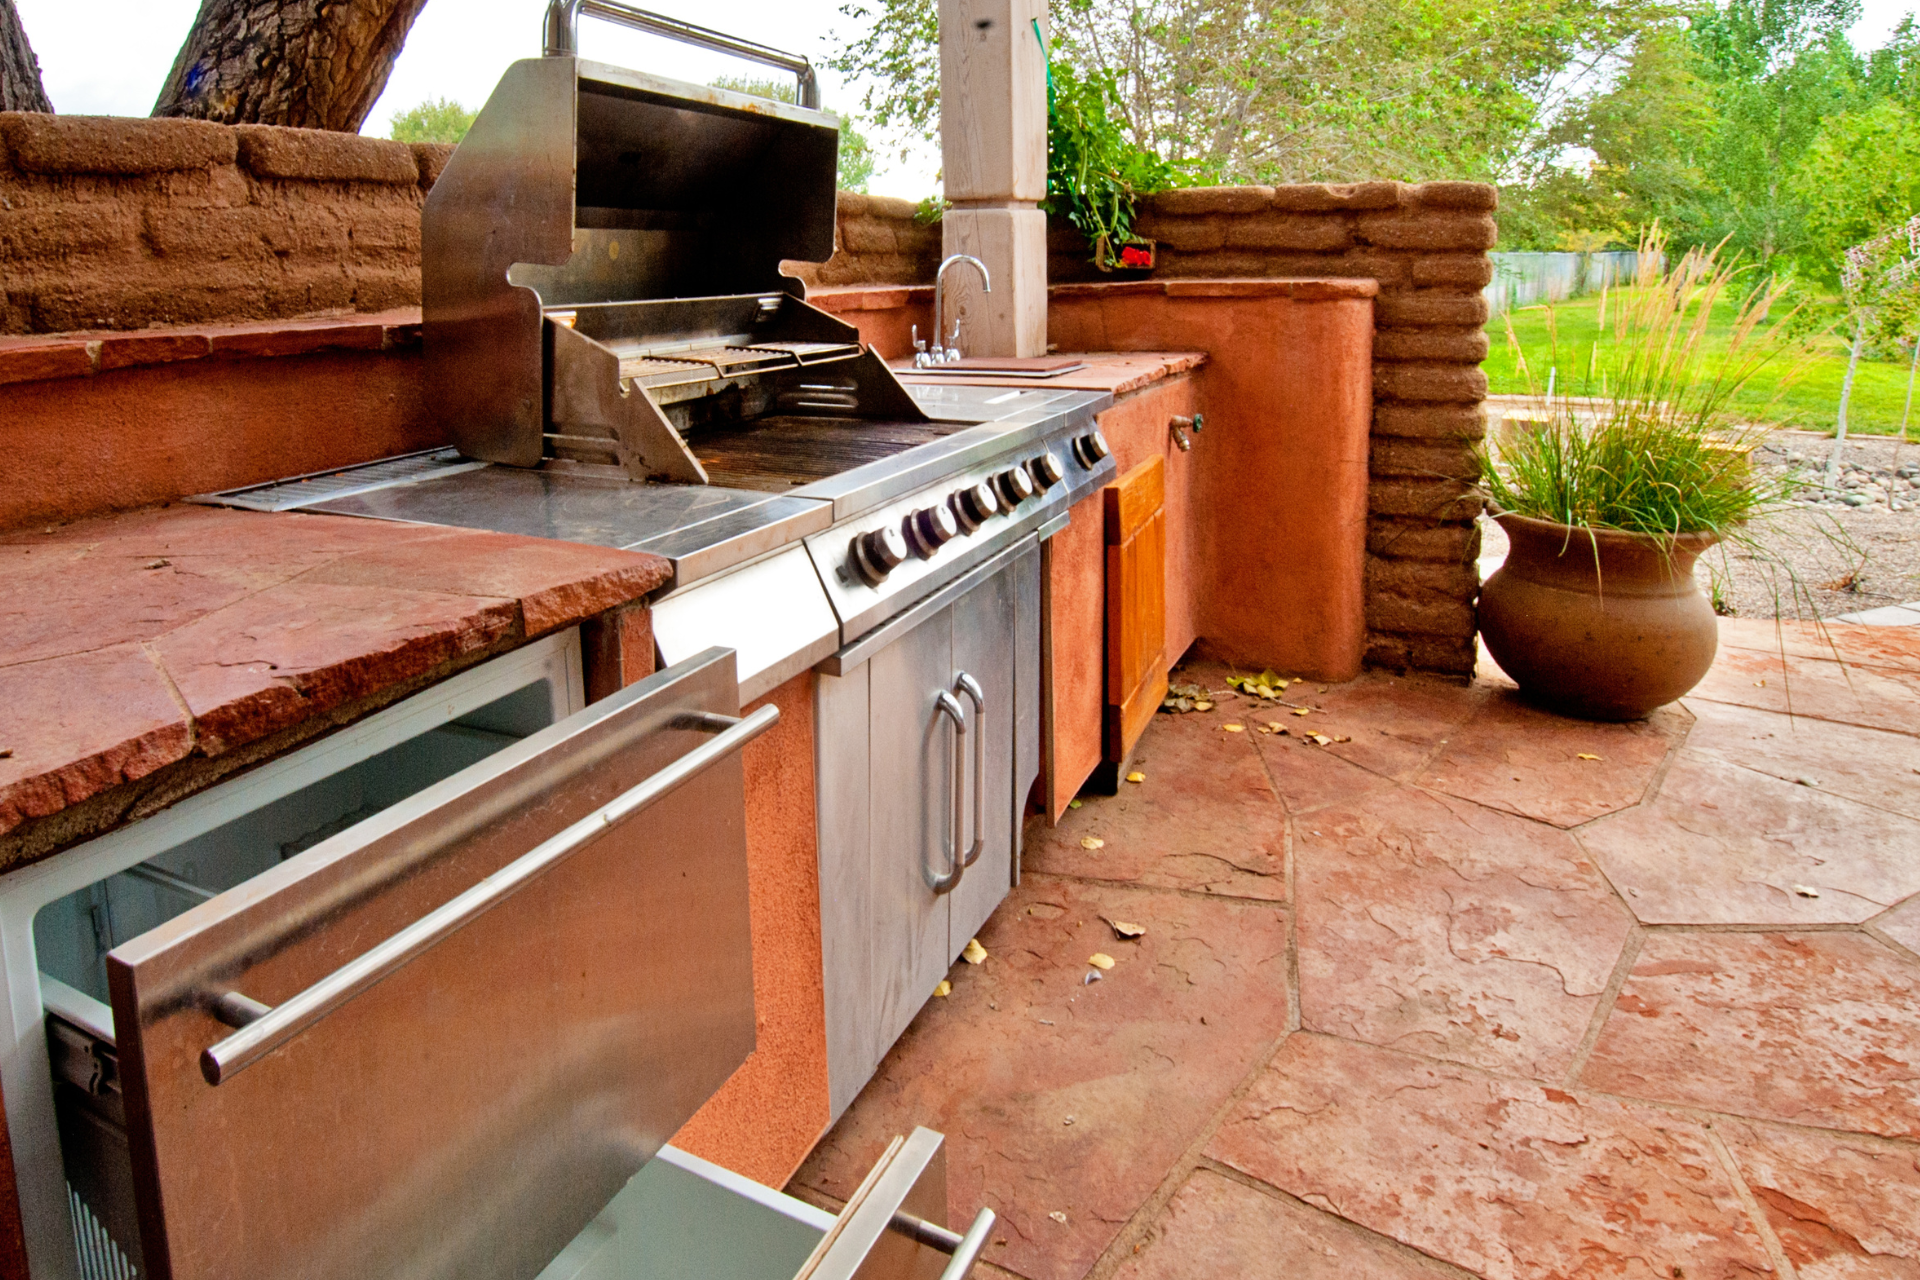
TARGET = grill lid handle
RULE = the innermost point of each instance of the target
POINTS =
(563, 39)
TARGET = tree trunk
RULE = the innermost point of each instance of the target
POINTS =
(20, 87)
(313, 64)
(1846, 394)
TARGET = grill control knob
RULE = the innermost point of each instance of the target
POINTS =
(974, 507)
(1090, 449)
(1013, 487)
(929, 529)
(1047, 471)
(875, 554)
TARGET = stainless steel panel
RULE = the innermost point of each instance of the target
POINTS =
(505, 197)
(702, 529)
(861, 607)
(984, 634)
(472, 1113)
(300, 491)
(846, 659)
(910, 775)
(772, 613)
(843, 768)
(1026, 689)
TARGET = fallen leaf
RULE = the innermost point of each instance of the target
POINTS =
(974, 953)
(1806, 891)
(1058, 1216)
(1075, 804)
(158, 564)
(1125, 928)
(1100, 960)
(1234, 728)
(1092, 842)
(1093, 976)
(1203, 705)
(944, 989)
(1587, 756)
(1068, 1120)
(1344, 737)
(1136, 776)
(1319, 739)
(6, 753)
(1303, 711)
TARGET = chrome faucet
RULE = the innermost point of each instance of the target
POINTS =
(945, 350)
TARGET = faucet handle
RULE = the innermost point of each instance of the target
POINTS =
(953, 342)
(920, 357)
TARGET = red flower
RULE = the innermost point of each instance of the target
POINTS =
(1131, 256)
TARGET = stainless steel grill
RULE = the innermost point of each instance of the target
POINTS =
(602, 279)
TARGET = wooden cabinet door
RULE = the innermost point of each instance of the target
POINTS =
(1136, 605)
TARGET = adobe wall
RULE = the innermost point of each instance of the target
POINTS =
(111, 223)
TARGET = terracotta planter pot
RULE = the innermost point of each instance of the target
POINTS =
(1604, 626)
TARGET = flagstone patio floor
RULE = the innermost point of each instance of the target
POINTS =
(1469, 990)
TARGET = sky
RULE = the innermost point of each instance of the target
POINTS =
(109, 57)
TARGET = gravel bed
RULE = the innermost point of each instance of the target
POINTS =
(1855, 546)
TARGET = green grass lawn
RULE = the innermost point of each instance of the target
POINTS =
(1812, 402)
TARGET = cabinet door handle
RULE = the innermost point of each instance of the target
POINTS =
(943, 882)
(968, 685)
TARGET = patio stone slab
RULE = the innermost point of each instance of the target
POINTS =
(1843, 1209)
(1309, 776)
(1439, 927)
(1216, 1227)
(1529, 762)
(1869, 765)
(1060, 1096)
(1819, 1029)
(1727, 845)
(1902, 924)
(1867, 646)
(1875, 697)
(1505, 1178)
(1396, 722)
(1205, 819)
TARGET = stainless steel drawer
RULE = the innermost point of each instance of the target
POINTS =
(439, 1042)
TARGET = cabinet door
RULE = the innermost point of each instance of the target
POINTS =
(911, 781)
(983, 647)
(1136, 605)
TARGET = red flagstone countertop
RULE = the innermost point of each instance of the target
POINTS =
(43, 357)
(147, 655)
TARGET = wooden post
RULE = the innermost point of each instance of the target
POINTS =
(993, 144)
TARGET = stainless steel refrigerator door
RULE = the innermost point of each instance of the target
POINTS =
(469, 1112)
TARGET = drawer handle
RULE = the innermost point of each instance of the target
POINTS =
(265, 1028)
(943, 882)
(968, 685)
(965, 1250)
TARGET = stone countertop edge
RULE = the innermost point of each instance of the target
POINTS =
(45, 357)
(146, 656)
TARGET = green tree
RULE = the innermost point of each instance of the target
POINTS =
(1860, 175)
(435, 120)
(856, 153)
(1258, 91)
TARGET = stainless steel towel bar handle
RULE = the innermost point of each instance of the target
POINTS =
(965, 1250)
(563, 38)
(975, 694)
(943, 881)
(266, 1028)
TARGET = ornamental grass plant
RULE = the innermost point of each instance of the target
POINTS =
(1648, 445)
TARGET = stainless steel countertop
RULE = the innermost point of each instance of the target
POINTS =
(704, 529)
